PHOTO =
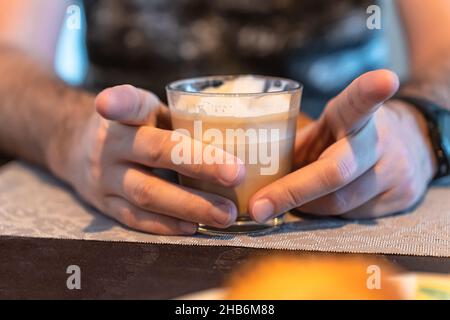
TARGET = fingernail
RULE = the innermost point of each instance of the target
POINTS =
(263, 210)
(222, 214)
(188, 227)
(229, 172)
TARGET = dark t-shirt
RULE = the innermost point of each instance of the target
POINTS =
(148, 43)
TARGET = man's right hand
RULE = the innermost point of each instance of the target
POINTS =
(110, 165)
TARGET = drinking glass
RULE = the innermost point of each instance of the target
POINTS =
(251, 117)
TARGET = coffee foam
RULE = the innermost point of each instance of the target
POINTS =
(240, 107)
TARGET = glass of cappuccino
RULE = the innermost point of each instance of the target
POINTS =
(253, 118)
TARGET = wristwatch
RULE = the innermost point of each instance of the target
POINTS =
(438, 121)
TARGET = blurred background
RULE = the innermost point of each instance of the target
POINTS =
(71, 61)
(332, 71)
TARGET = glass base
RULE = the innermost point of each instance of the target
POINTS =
(243, 225)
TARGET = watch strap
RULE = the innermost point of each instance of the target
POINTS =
(432, 112)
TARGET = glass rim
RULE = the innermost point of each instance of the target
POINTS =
(172, 87)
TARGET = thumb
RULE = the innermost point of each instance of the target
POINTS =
(128, 105)
(352, 108)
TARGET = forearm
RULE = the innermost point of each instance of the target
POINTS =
(38, 112)
(426, 24)
(432, 83)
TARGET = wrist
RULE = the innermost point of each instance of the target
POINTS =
(64, 148)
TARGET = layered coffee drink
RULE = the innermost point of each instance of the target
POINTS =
(250, 117)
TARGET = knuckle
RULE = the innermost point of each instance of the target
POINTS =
(149, 103)
(128, 218)
(163, 230)
(117, 134)
(199, 210)
(339, 173)
(351, 101)
(156, 148)
(136, 105)
(94, 171)
(144, 194)
(410, 196)
(154, 155)
(95, 156)
(203, 213)
(102, 132)
(294, 198)
(337, 204)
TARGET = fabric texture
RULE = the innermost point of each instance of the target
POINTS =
(34, 204)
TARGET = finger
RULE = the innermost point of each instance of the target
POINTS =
(150, 193)
(371, 184)
(157, 148)
(341, 164)
(128, 105)
(135, 218)
(351, 110)
(396, 200)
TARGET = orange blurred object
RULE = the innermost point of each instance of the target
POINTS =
(313, 278)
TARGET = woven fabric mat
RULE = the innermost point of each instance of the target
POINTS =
(34, 204)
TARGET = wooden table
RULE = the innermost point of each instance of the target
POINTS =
(36, 268)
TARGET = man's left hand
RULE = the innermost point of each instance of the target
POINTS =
(366, 157)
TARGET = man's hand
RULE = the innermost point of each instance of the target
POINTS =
(364, 158)
(111, 165)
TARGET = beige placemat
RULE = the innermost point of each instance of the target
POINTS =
(33, 204)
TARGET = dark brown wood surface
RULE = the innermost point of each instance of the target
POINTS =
(36, 268)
